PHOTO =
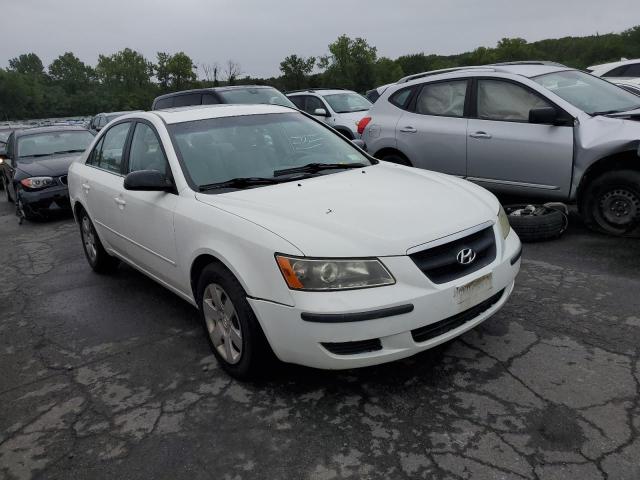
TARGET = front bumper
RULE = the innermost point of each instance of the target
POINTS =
(383, 314)
(48, 199)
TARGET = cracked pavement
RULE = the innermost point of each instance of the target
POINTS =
(111, 377)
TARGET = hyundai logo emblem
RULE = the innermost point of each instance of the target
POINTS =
(466, 256)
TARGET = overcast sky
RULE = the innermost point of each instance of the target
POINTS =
(260, 33)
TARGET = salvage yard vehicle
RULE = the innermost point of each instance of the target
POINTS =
(237, 94)
(289, 239)
(34, 167)
(99, 121)
(339, 108)
(623, 69)
(529, 129)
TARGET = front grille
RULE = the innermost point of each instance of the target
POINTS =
(436, 329)
(63, 180)
(440, 264)
(353, 348)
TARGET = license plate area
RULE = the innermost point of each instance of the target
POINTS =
(473, 292)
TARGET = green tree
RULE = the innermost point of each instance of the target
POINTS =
(295, 71)
(350, 63)
(27, 63)
(180, 69)
(70, 72)
(126, 79)
(387, 71)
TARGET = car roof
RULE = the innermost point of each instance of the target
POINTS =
(203, 112)
(319, 91)
(124, 112)
(212, 89)
(610, 65)
(20, 132)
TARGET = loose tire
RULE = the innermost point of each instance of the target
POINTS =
(611, 203)
(231, 327)
(98, 258)
(537, 225)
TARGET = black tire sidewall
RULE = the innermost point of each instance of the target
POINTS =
(590, 206)
(538, 228)
(253, 341)
(104, 263)
(397, 159)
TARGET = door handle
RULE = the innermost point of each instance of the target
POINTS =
(408, 129)
(119, 201)
(86, 186)
(480, 135)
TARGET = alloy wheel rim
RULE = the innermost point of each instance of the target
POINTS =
(223, 324)
(89, 239)
(620, 207)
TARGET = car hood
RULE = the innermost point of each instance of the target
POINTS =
(382, 210)
(52, 166)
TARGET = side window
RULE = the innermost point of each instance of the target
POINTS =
(209, 99)
(498, 100)
(632, 70)
(164, 103)
(113, 148)
(10, 145)
(442, 98)
(146, 152)
(298, 101)
(94, 156)
(187, 100)
(313, 103)
(618, 72)
(102, 121)
(400, 98)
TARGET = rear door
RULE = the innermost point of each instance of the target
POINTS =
(506, 153)
(433, 132)
(148, 216)
(102, 183)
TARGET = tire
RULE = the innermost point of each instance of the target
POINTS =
(396, 158)
(235, 336)
(611, 203)
(541, 224)
(24, 211)
(98, 258)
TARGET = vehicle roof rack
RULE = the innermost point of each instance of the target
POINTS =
(415, 76)
(314, 89)
(530, 62)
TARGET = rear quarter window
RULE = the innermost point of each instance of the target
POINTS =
(402, 97)
(163, 103)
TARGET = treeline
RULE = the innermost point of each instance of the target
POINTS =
(126, 80)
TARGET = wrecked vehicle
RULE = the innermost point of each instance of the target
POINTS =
(528, 129)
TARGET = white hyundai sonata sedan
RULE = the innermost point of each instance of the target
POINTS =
(290, 239)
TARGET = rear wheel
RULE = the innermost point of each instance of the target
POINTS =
(396, 157)
(234, 334)
(611, 203)
(98, 258)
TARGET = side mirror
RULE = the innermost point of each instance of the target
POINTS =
(320, 112)
(548, 116)
(359, 143)
(148, 181)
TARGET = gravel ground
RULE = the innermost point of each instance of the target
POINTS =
(111, 377)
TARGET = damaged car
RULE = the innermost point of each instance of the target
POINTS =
(529, 129)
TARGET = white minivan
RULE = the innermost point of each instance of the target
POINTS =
(288, 238)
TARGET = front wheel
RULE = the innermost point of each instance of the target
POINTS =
(234, 334)
(98, 258)
(397, 158)
(611, 203)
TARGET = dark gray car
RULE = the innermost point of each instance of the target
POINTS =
(238, 94)
(530, 129)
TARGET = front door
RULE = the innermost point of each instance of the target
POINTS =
(433, 134)
(507, 154)
(148, 225)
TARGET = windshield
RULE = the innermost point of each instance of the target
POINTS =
(347, 102)
(269, 96)
(590, 94)
(40, 145)
(221, 149)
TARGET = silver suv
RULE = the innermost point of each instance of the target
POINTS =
(340, 109)
(531, 129)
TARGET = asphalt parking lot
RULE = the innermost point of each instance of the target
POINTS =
(110, 377)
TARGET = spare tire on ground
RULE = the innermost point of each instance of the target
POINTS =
(537, 223)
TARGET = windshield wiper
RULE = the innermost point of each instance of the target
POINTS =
(317, 167)
(609, 112)
(240, 182)
(68, 151)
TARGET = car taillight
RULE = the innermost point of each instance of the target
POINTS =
(362, 124)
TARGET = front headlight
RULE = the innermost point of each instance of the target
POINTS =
(37, 182)
(503, 221)
(333, 274)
